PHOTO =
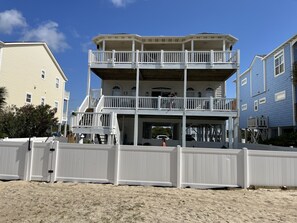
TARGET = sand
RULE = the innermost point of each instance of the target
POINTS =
(69, 202)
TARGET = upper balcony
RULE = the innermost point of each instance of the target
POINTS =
(164, 59)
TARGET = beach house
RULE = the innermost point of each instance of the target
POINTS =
(31, 75)
(160, 85)
(268, 92)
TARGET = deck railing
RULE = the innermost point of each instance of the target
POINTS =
(163, 57)
(89, 119)
(169, 103)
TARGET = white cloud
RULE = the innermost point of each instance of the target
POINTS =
(121, 3)
(48, 33)
(11, 19)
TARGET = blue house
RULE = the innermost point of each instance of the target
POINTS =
(268, 92)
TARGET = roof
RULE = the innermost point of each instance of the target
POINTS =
(264, 56)
(176, 39)
(13, 44)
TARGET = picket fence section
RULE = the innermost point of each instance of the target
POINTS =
(146, 165)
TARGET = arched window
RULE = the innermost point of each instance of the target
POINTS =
(190, 92)
(116, 91)
(209, 92)
(133, 91)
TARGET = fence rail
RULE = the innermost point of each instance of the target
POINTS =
(142, 165)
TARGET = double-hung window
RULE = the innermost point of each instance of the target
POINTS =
(279, 63)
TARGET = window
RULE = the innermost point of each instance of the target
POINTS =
(262, 100)
(190, 92)
(56, 105)
(116, 91)
(28, 98)
(57, 82)
(42, 74)
(244, 107)
(256, 105)
(42, 101)
(279, 66)
(280, 96)
(243, 81)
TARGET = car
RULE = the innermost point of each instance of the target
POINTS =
(162, 137)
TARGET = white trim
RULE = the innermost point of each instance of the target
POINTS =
(256, 105)
(28, 93)
(243, 107)
(262, 100)
(277, 55)
(244, 81)
(251, 84)
(264, 74)
(279, 96)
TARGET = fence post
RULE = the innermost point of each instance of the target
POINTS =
(245, 168)
(54, 162)
(29, 160)
(179, 167)
(116, 164)
(159, 102)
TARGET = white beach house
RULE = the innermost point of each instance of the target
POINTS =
(172, 82)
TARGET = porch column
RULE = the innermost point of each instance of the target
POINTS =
(89, 84)
(103, 45)
(135, 129)
(185, 88)
(230, 132)
(224, 133)
(224, 49)
(192, 45)
(133, 51)
(136, 109)
(237, 135)
(184, 121)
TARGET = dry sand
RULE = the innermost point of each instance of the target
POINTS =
(68, 202)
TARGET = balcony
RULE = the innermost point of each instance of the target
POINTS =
(160, 105)
(164, 59)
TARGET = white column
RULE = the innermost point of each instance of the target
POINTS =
(89, 84)
(103, 45)
(192, 45)
(133, 51)
(135, 129)
(224, 49)
(279, 131)
(184, 121)
(185, 87)
(230, 132)
(179, 167)
(137, 89)
(236, 123)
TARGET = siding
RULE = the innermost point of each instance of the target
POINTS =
(280, 113)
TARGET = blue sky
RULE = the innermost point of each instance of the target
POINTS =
(69, 26)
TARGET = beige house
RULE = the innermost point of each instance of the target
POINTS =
(31, 75)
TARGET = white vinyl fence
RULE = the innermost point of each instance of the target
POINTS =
(147, 165)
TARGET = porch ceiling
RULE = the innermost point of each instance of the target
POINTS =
(165, 75)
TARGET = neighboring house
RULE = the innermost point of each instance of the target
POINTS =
(268, 91)
(31, 75)
(160, 81)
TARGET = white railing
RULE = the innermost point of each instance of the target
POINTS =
(198, 103)
(163, 57)
(124, 102)
(84, 105)
(100, 104)
(224, 104)
(90, 119)
(170, 103)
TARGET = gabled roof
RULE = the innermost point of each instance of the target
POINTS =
(15, 44)
(252, 63)
(292, 39)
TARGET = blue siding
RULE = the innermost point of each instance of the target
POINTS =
(280, 113)
(257, 77)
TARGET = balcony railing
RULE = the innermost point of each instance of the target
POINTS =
(163, 57)
(169, 103)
